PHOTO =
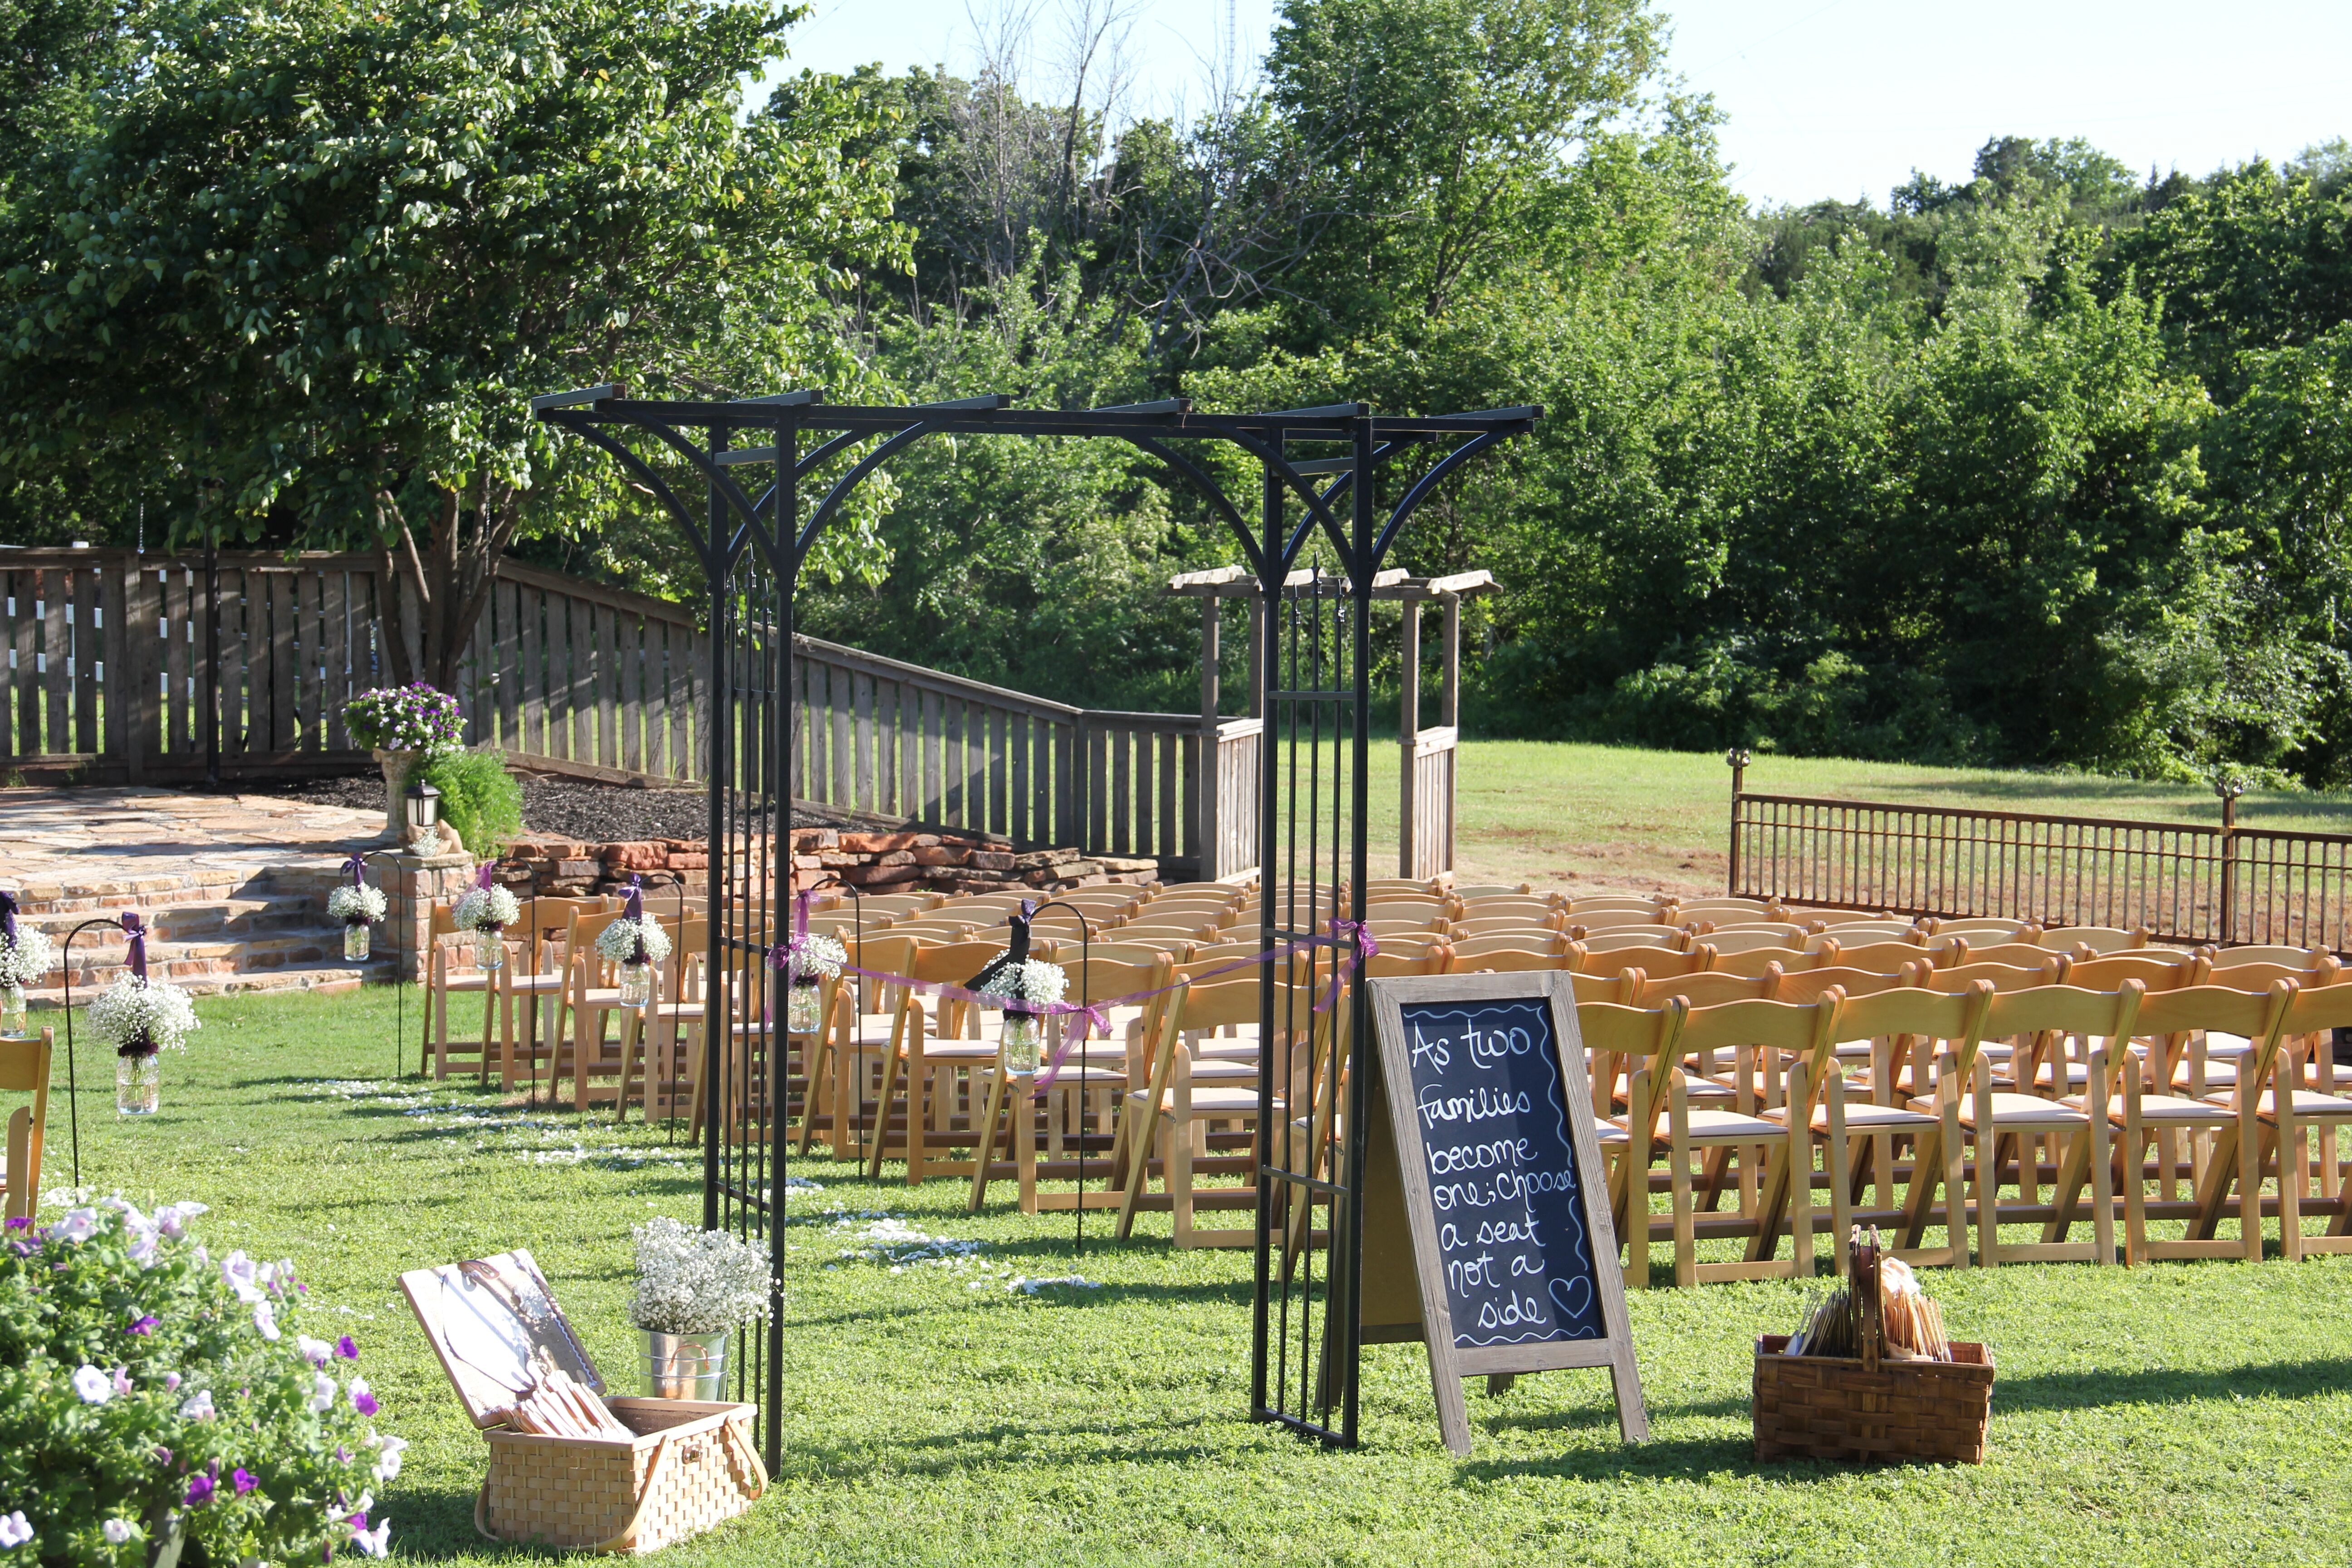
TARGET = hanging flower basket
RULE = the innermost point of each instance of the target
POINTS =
(636, 944)
(141, 1018)
(358, 907)
(487, 911)
(27, 956)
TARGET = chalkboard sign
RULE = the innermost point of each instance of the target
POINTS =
(1506, 1202)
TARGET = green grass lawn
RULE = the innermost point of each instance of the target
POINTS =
(1558, 815)
(2197, 1412)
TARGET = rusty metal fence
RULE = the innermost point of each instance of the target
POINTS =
(2183, 882)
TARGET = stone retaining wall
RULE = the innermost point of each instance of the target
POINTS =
(892, 862)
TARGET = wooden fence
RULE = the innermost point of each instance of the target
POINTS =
(110, 674)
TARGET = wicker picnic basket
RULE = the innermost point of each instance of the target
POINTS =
(689, 1465)
(1872, 1407)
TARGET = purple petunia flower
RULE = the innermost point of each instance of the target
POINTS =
(347, 1349)
(200, 1490)
(20, 1221)
(162, 1455)
(146, 1324)
(244, 1480)
(362, 1399)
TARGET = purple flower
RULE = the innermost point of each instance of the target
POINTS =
(200, 1490)
(243, 1479)
(345, 1348)
(146, 1324)
(171, 1383)
(362, 1400)
(23, 1249)
(20, 1221)
(162, 1455)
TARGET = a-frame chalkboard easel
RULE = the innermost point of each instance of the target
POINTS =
(1484, 1181)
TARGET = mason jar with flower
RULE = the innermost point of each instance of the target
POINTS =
(25, 956)
(1026, 988)
(487, 911)
(358, 907)
(141, 1018)
(637, 946)
(809, 960)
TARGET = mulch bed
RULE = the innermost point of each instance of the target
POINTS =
(554, 807)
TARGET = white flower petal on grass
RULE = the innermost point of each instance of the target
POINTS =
(94, 1387)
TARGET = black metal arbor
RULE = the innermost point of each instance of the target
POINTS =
(1314, 553)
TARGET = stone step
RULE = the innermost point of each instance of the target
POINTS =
(226, 919)
(82, 900)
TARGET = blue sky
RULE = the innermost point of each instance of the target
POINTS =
(1825, 97)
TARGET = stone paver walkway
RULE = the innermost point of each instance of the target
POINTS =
(61, 846)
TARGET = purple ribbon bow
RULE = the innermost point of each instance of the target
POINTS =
(634, 910)
(136, 930)
(357, 866)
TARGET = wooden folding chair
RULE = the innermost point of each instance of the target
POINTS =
(534, 985)
(1766, 1037)
(2042, 1020)
(661, 1036)
(1173, 1116)
(938, 1058)
(2098, 939)
(450, 971)
(24, 1069)
(2291, 1108)
(861, 1025)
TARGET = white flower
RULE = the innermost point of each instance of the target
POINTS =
(352, 905)
(14, 1531)
(315, 1351)
(155, 1011)
(237, 1269)
(696, 1282)
(24, 962)
(486, 906)
(119, 1530)
(1032, 981)
(199, 1406)
(387, 1465)
(618, 942)
(373, 1541)
(79, 1225)
(265, 1318)
(818, 957)
(322, 1391)
(173, 1219)
(94, 1387)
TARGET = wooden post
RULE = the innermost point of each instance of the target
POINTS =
(1408, 733)
(1208, 810)
(1449, 702)
(2229, 788)
(1737, 759)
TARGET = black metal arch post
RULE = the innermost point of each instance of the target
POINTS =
(752, 546)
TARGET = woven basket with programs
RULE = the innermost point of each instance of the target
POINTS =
(654, 1472)
(1879, 1404)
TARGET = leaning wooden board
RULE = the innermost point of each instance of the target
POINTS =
(1506, 1202)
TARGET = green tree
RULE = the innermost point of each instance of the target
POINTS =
(316, 259)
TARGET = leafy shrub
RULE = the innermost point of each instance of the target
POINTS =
(479, 798)
(142, 1382)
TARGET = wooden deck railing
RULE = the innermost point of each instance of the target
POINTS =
(110, 672)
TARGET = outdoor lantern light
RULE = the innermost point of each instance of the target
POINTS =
(424, 811)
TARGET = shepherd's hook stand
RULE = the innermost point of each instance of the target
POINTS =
(1086, 1037)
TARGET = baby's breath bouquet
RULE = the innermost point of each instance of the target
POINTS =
(1022, 985)
(26, 955)
(696, 1282)
(138, 1016)
(487, 911)
(358, 907)
(148, 1391)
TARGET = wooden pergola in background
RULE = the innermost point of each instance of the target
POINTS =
(1425, 772)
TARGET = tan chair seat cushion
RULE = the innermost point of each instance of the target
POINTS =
(2014, 1111)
